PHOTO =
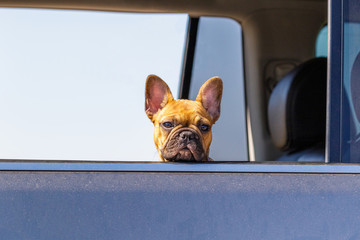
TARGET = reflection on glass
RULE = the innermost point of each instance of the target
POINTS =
(351, 81)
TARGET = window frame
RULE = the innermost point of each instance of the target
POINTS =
(188, 59)
(334, 93)
(211, 167)
(333, 140)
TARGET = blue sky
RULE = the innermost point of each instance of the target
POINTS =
(72, 82)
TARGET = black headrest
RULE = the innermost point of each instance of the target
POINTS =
(297, 107)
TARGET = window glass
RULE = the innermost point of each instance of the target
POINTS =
(351, 82)
(72, 82)
(219, 53)
(322, 43)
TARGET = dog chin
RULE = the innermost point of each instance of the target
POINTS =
(184, 155)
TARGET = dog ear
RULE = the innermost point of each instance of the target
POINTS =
(157, 95)
(210, 95)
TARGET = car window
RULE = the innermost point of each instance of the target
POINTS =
(219, 53)
(351, 83)
(72, 82)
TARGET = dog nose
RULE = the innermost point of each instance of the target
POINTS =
(188, 135)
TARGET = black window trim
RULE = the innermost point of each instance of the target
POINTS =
(188, 59)
(335, 82)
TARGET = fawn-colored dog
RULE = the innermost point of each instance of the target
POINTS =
(183, 127)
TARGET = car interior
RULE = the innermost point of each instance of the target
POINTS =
(283, 79)
(290, 106)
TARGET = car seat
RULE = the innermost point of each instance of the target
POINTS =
(297, 112)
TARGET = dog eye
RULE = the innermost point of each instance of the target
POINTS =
(167, 125)
(204, 127)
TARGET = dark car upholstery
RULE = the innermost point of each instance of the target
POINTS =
(297, 112)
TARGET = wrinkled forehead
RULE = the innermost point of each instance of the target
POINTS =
(184, 110)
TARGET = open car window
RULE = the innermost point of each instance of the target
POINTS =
(72, 82)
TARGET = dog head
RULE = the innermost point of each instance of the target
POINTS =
(183, 127)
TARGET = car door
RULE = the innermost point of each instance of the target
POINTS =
(218, 200)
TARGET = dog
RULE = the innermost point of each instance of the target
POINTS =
(183, 127)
